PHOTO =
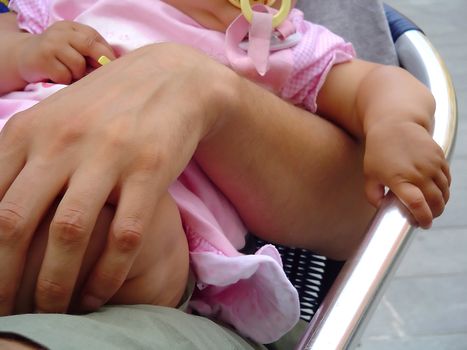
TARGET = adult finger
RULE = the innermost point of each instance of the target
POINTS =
(12, 152)
(69, 235)
(412, 197)
(135, 208)
(21, 209)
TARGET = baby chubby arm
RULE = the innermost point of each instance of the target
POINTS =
(392, 114)
(11, 38)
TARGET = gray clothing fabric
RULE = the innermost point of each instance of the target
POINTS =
(125, 328)
(362, 22)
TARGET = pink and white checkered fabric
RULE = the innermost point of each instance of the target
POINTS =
(314, 56)
(33, 15)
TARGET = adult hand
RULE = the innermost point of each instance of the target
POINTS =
(124, 132)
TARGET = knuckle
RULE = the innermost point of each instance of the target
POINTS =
(108, 281)
(117, 139)
(89, 39)
(69, 228)
(48, 290)
(69, 134)
(79, 65)
(416, 203)
(150, 160)
(398, 179)
(12, 223)
(66, 136)
(129, 237)
(16, 128)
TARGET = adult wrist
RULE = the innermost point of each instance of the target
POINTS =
(223, 99)
(215, 88)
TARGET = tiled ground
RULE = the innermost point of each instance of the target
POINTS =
(425, 306)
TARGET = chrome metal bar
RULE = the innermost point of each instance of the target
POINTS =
(340, 319)
(418, 56)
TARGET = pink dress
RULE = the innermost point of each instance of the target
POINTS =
(251, 292)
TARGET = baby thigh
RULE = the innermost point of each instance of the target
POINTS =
(158, 275)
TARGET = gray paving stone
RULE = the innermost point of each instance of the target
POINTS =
(439, 342)
(422, 306)
(460, 149)
(427, 257)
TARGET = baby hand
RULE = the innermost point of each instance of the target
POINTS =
(59, 53)
(404, 157)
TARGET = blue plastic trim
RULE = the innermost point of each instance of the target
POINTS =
(3, 8)
(398, 23)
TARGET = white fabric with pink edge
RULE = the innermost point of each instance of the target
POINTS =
(269, 307)
(250, 292)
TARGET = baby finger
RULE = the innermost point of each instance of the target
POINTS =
(93, 34)
(412, 197)
(446, 171)
(74, 61)
(443, 184)
(434, 198)
(59, 73)
(91, 46)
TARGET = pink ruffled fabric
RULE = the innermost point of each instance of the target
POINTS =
(251, 292)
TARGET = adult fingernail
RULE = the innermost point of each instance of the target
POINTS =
(91, 303)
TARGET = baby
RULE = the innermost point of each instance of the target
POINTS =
(299, 61)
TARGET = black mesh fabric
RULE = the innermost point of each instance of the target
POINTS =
(310, 273)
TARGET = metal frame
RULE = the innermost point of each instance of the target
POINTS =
(346, 308)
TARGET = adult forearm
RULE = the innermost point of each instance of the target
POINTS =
(293, 177)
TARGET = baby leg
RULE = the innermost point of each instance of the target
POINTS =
(158, 275)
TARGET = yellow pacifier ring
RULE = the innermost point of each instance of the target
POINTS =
(277, 19)
(236, 3)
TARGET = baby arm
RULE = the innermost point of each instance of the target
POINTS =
(59, 54)
(392, 114)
